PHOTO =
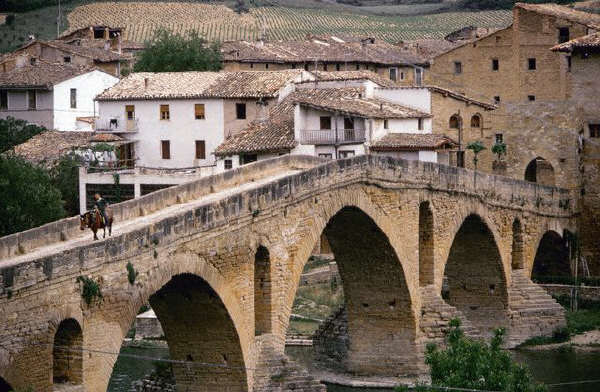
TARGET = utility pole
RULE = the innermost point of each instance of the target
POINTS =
(58, 21)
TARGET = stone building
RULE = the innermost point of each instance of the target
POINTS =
(328, 53)
(583, 93)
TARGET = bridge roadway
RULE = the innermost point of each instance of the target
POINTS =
(220, 259)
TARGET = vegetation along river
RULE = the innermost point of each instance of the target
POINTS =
(548, 366)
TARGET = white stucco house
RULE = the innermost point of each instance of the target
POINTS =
(173, 122)
(334, 118)
(56, 96)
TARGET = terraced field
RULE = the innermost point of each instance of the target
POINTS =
(217, 22)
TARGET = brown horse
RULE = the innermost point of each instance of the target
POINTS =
(93, 220)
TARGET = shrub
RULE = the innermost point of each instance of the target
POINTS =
(90, 291)
(131, 273)
(466, 363)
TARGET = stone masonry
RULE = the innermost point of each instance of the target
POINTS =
(196, 247)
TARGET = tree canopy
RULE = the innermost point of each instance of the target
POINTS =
(170, 52)
(14, 132)
(28, 197)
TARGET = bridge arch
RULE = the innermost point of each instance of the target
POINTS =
(67, 355)
(426, 244)
(517, 259)
(551, 256)
(379, 301)
(541, 171)
(476, 275)
(262, 291)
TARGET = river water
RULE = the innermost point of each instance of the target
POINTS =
(547, 366)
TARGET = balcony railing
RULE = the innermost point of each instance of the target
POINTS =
(117, 125)
(332, 136)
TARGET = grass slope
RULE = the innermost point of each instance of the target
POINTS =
(218, 22)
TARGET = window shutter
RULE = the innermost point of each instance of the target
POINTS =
(166, 149)
(199, 111)
(200, 149)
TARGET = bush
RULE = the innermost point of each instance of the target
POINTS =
(131, 273)
(467, 363)
(91, 290)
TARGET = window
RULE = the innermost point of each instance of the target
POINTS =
(130, 112)
(563, 34)
(497, 99)
(460, 158)
(386, 124)
(476, 121)
(251, 65)
(199, 111)
(326, 155)
(98, 33)
(3, 99)
(164, 113)
(348, 123)
(420, 124)
(324, 67)
(248, 158)
(357, 68)
(495, 65)
(457, 67)
(267, 66)
(67, 59)
(454, 122)
(32, 99)
(200, 149)
(325, 122)
(346, 154)
(531, 64)
(240, 111)
(594, 130)
(531, 98)
(294, 66)
(165, 149)
(568, 63)
(401, 75)
(418, 76)
(499, 138)
(73, 98)
(228, 164)
(306, 67)
(32, 61)
(337, 67)
(394, 74)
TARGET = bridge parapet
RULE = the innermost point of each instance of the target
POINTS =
(61, 230)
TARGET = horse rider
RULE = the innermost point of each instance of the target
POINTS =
(101, 204)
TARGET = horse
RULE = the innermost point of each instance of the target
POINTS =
(93, 220)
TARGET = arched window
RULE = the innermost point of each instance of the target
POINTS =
(541, 171)
(454, 122)
(476, 121)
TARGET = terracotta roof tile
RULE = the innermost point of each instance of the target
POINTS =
(587, 42)
(412, 142)
(351, 101)
(42, 75)
(47, 147)
(317, 49)
(177, 85)
(354, 75)
(562, 12)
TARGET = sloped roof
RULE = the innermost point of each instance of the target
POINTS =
(412, 142)
(47, 147)
(42, 75)
(448, 93)
(351, 101)
(562, 12)
(93, 52)
(430, 48)
(353, 75)
(317, 49)
(180, 85)
(587, 42)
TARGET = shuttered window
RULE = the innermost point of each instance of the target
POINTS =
(130, 111)
(199, 111)
(200, 149)
(32, 99)
(165, 149)
(73, 98)
(164, 112)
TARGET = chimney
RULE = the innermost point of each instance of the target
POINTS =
(119, 43)
(262, 114)
(146, 82)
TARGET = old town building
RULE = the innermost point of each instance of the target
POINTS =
(327, 53)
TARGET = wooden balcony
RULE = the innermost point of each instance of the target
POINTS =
(116, 125)
(332, 136)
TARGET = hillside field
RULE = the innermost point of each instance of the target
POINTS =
(218, 22)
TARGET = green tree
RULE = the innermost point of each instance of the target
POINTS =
(28, 197)
(14, 132)
(467, 363)
(169, 52)
(65, 177)
(499, 148)
(476, 147)
(240, 7)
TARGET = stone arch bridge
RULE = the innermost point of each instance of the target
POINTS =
(220, 259)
